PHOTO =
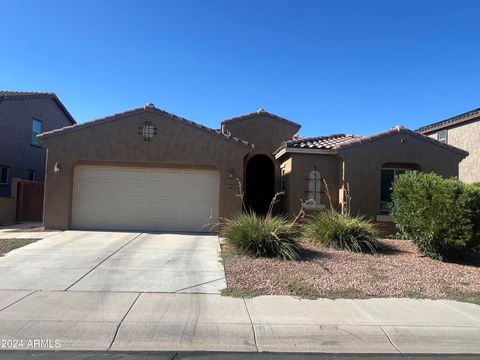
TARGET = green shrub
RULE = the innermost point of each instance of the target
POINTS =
(238, 293)
(441, 216)
(262, 236)
(354, 233)
(299, 288)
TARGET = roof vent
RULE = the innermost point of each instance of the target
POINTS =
(150, 106)
(261, 110)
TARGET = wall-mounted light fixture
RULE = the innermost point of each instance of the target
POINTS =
(231, 173)
(56, 167)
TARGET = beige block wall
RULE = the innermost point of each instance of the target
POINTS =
(8, 205)
(466, 137)
(7, 210)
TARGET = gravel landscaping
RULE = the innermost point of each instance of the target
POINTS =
(326, 272)
(33, 229)
(7, 245)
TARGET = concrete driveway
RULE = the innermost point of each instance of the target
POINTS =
(116, 261)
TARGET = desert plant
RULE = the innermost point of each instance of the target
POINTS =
(441, 216)
(262, 236)
(333, 229)
(299, 288)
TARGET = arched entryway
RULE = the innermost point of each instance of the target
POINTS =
(260, 184)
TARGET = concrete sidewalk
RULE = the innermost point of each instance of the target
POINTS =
(188, 322)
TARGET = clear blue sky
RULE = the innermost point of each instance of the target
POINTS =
(333, 66)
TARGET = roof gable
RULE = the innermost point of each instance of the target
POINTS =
(21, 95)
(256, 114)
(399, 129)
(147, 108)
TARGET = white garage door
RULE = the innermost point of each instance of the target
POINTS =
(124, 198)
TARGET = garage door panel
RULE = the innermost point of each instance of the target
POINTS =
(200, 191)
(111, 198)
(202, 177)
(100, 187)
(165, 175)
(97, 220)
(93, 187)
(166, 191)
(99, 174)
(167, 204)
(130, 187)
(199, 206)
(164, 223)
(103, 203)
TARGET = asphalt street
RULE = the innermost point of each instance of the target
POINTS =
(90, 355)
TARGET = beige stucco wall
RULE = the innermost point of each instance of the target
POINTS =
(363, 165)
(299, 167)
(266, 134)
(118, 142)
(466, 137)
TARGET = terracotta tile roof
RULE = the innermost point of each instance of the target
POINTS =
(146, 108)
(341, 141)
(330, 142)
(20, 95)
(456, 120)
(261, 112)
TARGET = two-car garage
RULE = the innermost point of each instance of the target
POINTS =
(142, 170)
(144, 198)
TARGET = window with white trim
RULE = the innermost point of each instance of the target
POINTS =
(36, 129)
(314, 187)
(442, 136)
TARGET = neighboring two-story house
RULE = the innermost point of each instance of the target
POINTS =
(24, 115)
(462, 131)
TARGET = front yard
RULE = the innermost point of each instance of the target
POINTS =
(325, 272)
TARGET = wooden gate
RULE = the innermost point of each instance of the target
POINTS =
(29, 201)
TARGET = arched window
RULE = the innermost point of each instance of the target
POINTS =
(314, 187)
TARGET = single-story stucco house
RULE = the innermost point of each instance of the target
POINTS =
(147, 169)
